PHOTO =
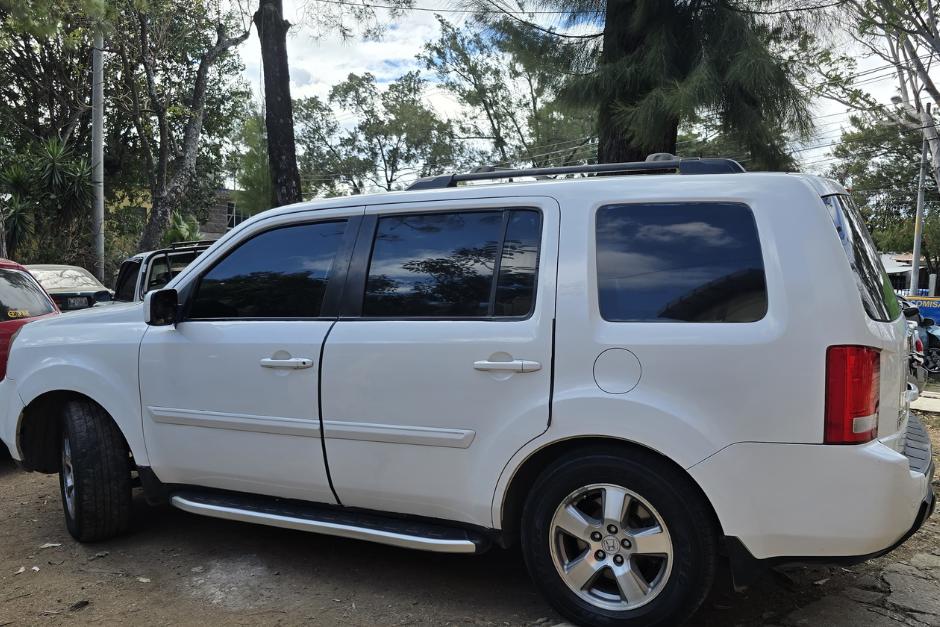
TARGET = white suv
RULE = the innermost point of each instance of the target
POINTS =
(639, 378)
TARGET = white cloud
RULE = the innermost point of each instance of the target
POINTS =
(316, 64)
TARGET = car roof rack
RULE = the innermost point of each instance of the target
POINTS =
(195, 242)
(655, 164)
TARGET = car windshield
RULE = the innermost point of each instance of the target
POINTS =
(21, 297)
(66, 278)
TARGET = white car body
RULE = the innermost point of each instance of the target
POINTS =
(409, 426)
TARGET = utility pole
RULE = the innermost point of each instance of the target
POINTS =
(97, 151)
(919, 220)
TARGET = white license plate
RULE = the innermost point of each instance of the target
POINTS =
(77, 302)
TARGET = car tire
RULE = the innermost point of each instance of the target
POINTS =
(94, 474)
(634, 575)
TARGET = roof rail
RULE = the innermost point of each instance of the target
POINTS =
(689, 165)
(195, 242)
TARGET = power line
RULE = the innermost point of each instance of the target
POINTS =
(368, 5)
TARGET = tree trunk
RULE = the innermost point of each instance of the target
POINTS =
(157, 224)
(614, 145)
(278, 113)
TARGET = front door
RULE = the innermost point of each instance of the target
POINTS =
(230, 395)
(440, 366)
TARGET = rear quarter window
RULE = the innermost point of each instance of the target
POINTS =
(873, 283)
(679, 262)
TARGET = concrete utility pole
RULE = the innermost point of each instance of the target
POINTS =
(919, 220)
(97, 152)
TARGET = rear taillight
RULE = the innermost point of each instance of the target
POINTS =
(853, 377)
(918, 346)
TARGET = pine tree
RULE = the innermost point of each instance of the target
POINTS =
(655, 65)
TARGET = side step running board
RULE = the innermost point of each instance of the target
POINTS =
(331, 521)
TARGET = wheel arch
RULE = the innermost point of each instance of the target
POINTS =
(508, 505)
(39, 423)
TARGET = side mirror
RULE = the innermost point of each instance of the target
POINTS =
(103, 296)
(161, 307)
(910, 312)
(927, 322)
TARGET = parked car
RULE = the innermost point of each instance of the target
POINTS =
(153, 269)
(639, 379)
(22, 299)
(71, 287)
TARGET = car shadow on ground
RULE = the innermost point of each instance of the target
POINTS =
(232, 565)
(7, 465)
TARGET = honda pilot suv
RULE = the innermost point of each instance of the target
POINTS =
(640, 378)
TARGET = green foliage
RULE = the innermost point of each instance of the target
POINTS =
(395, 139)
(182, 229)
(509, 76)
(45, 61)
(254, 179)
(647, 67)
(45, 192)
(880, 164)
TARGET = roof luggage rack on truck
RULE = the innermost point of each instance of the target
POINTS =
(655, 164)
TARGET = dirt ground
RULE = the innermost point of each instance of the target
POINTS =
(177, 568)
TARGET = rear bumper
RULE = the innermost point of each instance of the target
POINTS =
(797, 502)
(745, 568)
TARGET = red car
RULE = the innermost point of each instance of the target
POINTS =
(21, 299)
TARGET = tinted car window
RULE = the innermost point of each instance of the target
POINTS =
(126, 280)
(515, 287)
(874, 286)
(280, 273)
(445, 264)
(21, 297)
(679, 262)
(160, 274)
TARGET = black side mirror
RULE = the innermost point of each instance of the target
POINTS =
(911, 312)
(103, 296)
(161, 307)
(927, 322)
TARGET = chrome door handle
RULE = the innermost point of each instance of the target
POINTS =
(516, 365)
(296, 363)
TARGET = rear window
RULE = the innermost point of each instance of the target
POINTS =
(21, 297)
(873, 283)
(160, 273)
(679, 262)
(66, 278)
(127, 280)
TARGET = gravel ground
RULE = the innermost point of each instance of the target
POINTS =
(189, 570)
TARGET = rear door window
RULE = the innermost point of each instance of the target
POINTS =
(679, 262)
(874, 286)
(21, 296)
(467, 264)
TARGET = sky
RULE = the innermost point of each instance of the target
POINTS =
(318, 63)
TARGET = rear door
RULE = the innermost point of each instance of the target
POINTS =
(439, 368)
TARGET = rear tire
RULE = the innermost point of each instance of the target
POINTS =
(95, 473)
(638, 548)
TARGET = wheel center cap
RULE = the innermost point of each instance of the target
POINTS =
(610, 544)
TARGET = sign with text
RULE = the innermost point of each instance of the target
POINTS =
(929, 306)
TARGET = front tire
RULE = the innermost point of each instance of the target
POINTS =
(616, 537)
(95, 474)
